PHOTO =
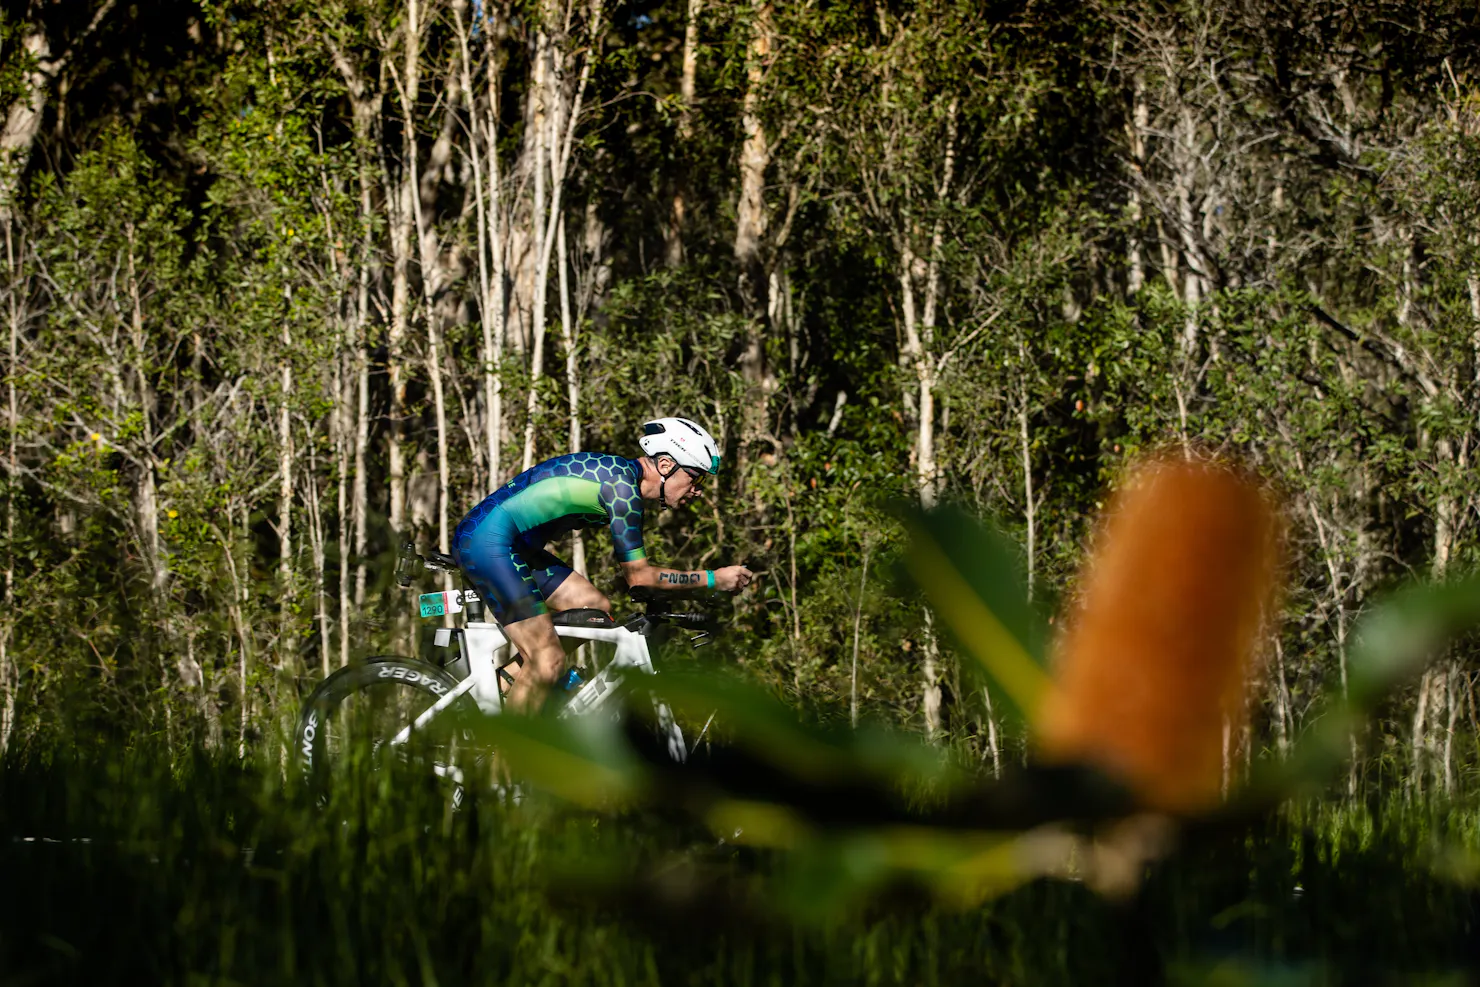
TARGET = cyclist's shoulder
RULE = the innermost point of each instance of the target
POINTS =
(603, 467)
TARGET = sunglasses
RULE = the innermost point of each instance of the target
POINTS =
(695, 474)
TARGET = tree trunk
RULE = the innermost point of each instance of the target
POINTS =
(23, 117)
(556, 136)
(8, 680)
(364, 109)
(493, 348)
(857, 633)
(234, 609)
(994, 739)
(673, 245)
(1030, 508)
(316, 529)
(148, 504)
(1136, 130)
(1282, 715)
(361, 501)
(401, 219)
(568, 331)
(343, 432)
(431, 279)
(1184, 182)
(1435, 691)
(750, 229)
(486, 226)
(919, 350)
(547, 98)
(286, 645)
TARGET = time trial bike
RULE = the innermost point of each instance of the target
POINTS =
(393, 705)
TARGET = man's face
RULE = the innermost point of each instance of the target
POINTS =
(685, 483)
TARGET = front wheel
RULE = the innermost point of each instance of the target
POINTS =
(368, 707)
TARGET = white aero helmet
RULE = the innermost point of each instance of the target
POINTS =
(686, 441)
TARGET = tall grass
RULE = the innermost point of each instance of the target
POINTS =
(119, 867)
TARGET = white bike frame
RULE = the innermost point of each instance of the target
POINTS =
(482, 643)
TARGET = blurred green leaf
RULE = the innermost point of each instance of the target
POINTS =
(960, 868)
(768, 729)
(972, 577)
(584, 760)
(1394, 642)
(1402, 635)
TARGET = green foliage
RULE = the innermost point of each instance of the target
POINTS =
(1277, 264)
(231, 877)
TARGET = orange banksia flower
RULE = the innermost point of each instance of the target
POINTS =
(1156, 657)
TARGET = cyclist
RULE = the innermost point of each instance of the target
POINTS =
(501, 543)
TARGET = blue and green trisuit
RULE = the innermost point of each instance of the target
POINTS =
(501, 543)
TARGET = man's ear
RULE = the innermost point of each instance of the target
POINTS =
(664, 463)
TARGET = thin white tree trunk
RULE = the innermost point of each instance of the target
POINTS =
(482, 208)
(750, 230)
(1192, 284)
(12, 366)
(364, 110)
(568, 332)
(148, 507)
(1139, 122)
(286, 585)
(430, 278)
(1030, 508)
(1282, 718)
(545, 96)
(1435, 693)
(400, 207)
(235, 609)
(919, 347)
(994, 740)
(493, 348)
(361, 502)
(857, 634)
(1451, 688)
(673, 248)
(919, 360)
(342, 491)
(316, 540)
(553, 146)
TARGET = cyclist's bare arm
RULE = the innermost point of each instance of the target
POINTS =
(643, 573)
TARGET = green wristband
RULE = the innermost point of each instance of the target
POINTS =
(710, 574)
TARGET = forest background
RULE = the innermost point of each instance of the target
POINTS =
(288, 283)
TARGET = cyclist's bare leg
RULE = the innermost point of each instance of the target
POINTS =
(576, 592)
(544, 658)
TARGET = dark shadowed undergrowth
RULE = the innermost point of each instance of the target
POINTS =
(124, 868)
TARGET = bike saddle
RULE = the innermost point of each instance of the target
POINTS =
(582, 617)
